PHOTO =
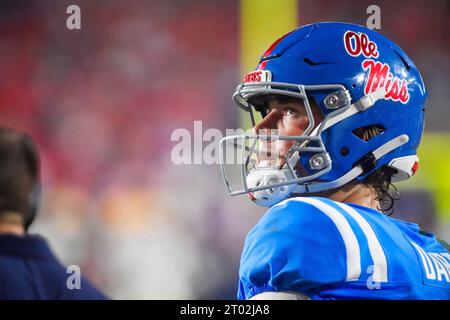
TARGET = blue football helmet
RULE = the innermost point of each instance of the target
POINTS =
(359, 79)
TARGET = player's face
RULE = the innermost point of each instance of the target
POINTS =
(289, 118)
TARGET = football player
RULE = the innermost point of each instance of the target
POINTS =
(342, 116)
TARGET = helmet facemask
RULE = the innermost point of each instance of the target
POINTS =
(270, 175)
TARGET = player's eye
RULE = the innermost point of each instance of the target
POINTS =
(291, 111)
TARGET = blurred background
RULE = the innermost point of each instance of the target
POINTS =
(102, 102)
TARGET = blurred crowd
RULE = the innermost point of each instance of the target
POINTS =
(102, 102)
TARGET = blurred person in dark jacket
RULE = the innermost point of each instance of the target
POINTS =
(28, 268)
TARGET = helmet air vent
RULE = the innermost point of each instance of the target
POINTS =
(369, 132)
(407, 66)
(314, 63)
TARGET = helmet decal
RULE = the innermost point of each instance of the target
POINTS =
(381, 76)
(357, 43)
(257, 76)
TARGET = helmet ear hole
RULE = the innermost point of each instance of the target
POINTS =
(345, 151)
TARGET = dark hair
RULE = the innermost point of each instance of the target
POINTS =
(381, 179)
(19, 174)
(387, 193)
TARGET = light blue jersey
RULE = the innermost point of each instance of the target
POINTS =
(330, 250)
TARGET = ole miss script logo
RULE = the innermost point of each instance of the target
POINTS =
(379, 74)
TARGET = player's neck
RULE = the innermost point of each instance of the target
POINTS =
(358, 194)
(11, 223)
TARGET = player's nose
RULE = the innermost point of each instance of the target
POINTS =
(269, 122)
